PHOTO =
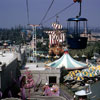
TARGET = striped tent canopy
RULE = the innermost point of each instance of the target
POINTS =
(68, 62)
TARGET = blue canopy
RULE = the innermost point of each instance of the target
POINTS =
(77, 19)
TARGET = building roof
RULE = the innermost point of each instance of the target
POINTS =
(7, 57)
(35, 66)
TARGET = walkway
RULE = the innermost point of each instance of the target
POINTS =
(66, 95)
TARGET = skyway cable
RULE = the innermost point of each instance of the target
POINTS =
(47, 12)
(59, 12)
(27, 11)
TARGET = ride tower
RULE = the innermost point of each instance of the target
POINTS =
(56, 39)
(33, 42)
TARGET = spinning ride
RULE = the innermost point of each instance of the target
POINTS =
(56, 40)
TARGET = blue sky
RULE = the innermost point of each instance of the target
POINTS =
(13, 12)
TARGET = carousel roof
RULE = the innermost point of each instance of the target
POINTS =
(68, 62)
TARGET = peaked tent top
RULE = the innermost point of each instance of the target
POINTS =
(68, 62)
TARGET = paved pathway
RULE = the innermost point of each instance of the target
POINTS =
(65, 94)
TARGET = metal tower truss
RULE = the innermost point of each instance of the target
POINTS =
(33, 42)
